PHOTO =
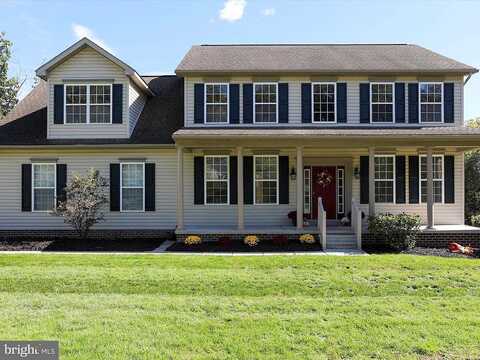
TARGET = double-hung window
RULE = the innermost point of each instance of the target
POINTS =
(132, 186)
(381, 99)
(44, 187)
(216, 103)
(384, 178)
(88, 104)
(431, 102)
(217, 180)
(266, 102)
(323, 100)
(437, 161)
(266, 179)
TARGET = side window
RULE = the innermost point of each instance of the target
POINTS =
(132, 187)
(266, 103)
(431, 102)
(381, 102)
(216, 180)
(216, 103)
(43, 187)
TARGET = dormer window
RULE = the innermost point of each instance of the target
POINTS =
(88, 104)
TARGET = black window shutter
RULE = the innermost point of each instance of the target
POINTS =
(117, 101)
(365, 103)
(341, 102)
(413, 179)
(448, 107)
(364, 189)
(234, 98)
(248, 180)
(400, 179)
(198, 106)
(400, 102)
(413, 103)
(114, 187)
(283, 177)
(233, 180)
(150, 187)
(61, 182)
(283, 103)
(58, 100)
(198, 183)
(26, 187)
(449, 164)
(306, 103)
(247, 103)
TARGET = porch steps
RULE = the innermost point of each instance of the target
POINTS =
(341, 238)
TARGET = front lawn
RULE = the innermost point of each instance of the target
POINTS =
(272, 307)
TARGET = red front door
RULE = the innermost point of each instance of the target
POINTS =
(324, 185)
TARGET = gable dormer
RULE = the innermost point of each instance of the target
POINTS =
(91, 94)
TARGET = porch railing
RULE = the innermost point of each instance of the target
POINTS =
(322, 223)
(357, 222)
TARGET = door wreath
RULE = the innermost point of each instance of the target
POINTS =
(324, 179)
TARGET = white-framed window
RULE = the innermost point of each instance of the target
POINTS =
(44, 186)
(340, 190)
(382, 98)
(266, 179)
(385, 178)
(216, 103)
(132, 189)
(88, 104)
(265, 105)
(438, 178)
(324, 101)
(307, 191)
(217, 180)
(430, 101)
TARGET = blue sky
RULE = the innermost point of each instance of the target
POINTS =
(152, 36)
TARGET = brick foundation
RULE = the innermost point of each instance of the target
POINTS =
(94, 234)
(432, 239)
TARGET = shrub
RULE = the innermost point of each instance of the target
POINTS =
(475, 220)
(398, 231)
(251, 240)
(193, 240)
(307, 239)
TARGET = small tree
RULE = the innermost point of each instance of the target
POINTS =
(9, 87)
(84, 200)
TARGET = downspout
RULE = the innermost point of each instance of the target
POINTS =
(468, 78)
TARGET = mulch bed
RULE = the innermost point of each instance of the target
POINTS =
(239, 246)
(94, 245)
(438, 252)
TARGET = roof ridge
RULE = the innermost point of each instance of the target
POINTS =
(315, 44)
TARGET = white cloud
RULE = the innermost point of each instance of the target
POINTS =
(232, 10)
(268, 12)
(81, 31)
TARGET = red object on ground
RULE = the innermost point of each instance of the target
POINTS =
(457, 248)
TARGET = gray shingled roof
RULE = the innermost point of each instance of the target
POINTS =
(356, 58)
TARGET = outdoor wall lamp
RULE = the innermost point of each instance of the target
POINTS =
(293, 174)
(356, 173)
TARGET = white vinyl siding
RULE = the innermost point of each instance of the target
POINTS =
(136, 103)
(295, 102)
(83, 68)
(11, 216)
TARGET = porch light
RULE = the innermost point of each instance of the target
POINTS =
(293, 174)
(356, 173)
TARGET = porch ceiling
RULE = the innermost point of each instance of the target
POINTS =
(460, 137)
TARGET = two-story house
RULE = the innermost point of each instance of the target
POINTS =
(243, 136)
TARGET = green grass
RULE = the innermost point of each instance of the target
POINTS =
(285, 307)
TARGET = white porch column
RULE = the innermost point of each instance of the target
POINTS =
(371, 181)
(179, 187)
(429, 188)
(240, 204)
(299, 187)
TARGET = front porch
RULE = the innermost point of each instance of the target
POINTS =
(411, 186)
